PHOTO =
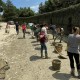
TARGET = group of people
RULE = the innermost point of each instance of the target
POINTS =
(40, 32)
(73, 47)
(57, 32)
(73, 41)
(23, 28)
(17, 27)
(73, 44)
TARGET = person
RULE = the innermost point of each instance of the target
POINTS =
(43, 43)
(7, 29)
(24, 29)
(31, 27)
(59, 33)
(37, 31)
(53, 30)
(73, 50)
(17, 27)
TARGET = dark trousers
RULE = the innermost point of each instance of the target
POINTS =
(24, 31)
(43, 47)
(73, 56)
(17, 32)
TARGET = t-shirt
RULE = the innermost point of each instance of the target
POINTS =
(42, 37)
(23, 27)
(73, 41)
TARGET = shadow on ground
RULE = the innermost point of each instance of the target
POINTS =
(34, 58)
(20, 38)
(62, 57)
(33, 41)
(36, 44)
(61, 76)
(51, 68)
(37, 48)
(27, 32)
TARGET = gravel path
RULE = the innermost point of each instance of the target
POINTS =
(23, 56)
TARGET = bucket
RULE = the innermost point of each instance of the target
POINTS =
(58, 48)
(56, 64)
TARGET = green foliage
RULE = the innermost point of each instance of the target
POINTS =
(25, 12)
(1, 9)
(52, 5)
(11, 12)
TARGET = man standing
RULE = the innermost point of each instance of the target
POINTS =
(17, 28)
(53, 30)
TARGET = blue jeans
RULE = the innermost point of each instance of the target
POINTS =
(43, 47)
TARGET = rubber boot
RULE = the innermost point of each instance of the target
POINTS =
(73, 72)
(46, 55)
(41, 55)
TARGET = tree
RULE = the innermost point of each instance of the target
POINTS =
(51, 5)
(9, 11)
(41, 8)
(2, 3)
(26, 12)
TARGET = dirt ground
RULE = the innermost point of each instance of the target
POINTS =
(23, 56)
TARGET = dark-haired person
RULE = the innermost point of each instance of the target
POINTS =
(53, 30)
(17, 28)
(73, 50)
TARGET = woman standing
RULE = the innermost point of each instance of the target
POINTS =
(42, 37)
(73, 50)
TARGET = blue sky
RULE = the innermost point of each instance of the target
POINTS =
(33, 4)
